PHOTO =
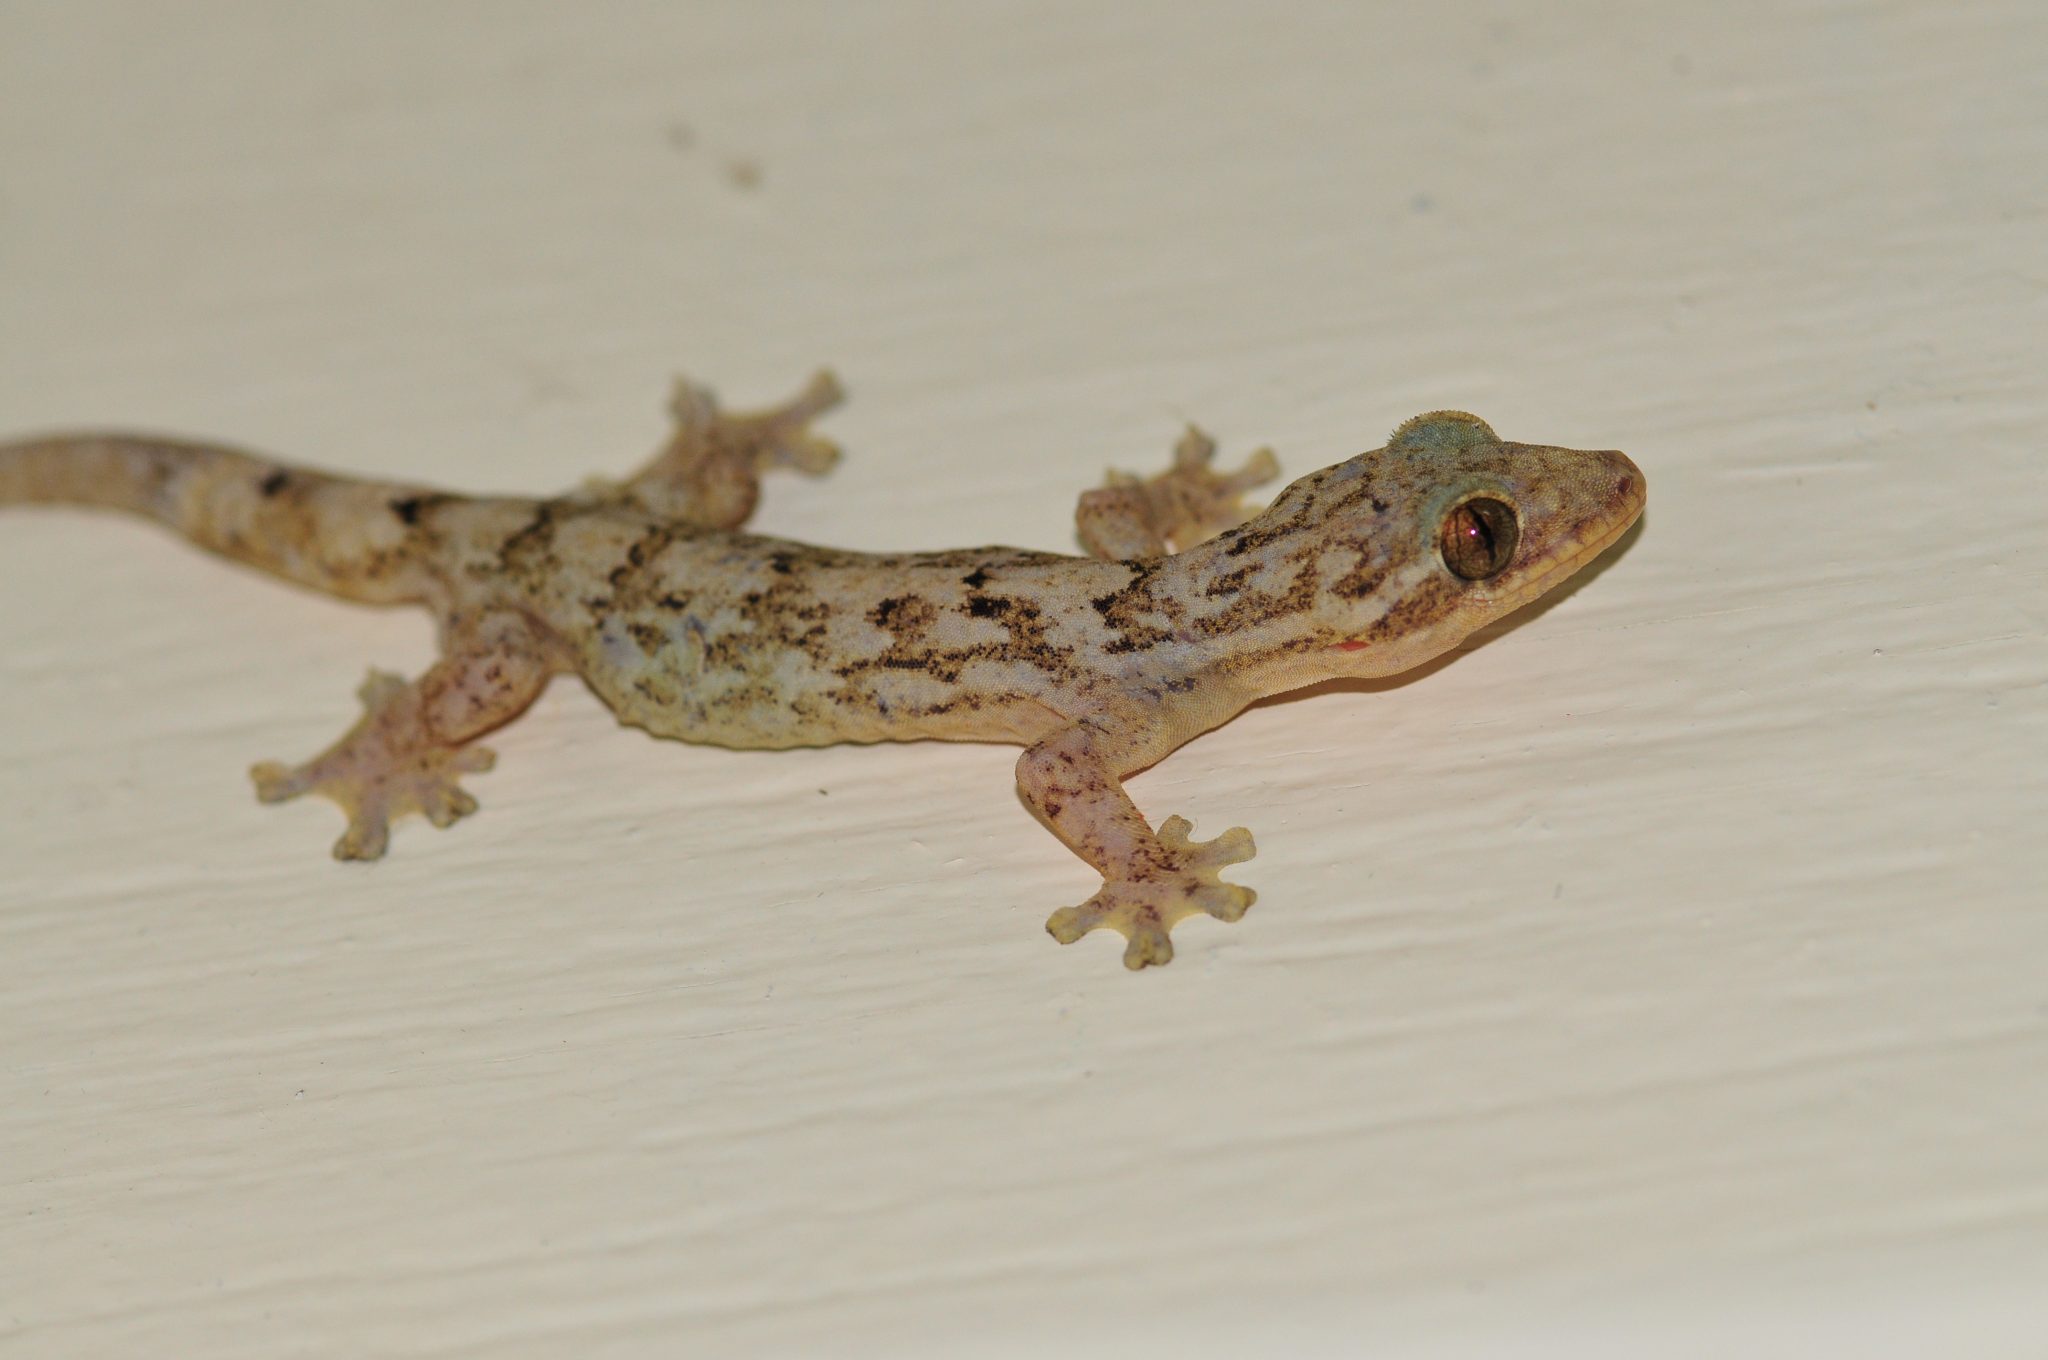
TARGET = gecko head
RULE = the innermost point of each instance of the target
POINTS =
(1448, 528)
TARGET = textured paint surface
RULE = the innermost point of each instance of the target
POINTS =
(1665, 967)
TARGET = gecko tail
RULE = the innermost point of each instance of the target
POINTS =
(336, 534)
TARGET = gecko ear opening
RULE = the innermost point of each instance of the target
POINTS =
(1440, 432)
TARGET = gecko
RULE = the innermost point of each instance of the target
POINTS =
(1186, 608)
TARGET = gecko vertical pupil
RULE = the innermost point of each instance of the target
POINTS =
(1478, 538)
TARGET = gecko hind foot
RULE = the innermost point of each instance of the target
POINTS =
(709, 473)
(380, 770)
(1145, 910)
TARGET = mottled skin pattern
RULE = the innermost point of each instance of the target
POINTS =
(1185, 611)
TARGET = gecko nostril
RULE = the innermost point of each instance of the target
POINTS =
(1624, 486)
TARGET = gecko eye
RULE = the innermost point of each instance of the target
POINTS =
(1478, 538)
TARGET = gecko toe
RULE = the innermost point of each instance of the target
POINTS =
(445, 806)
(380, 689)
(1195, 450)
(1148, 945)
(367, 837)
(1069, 924)
(1262, 467)
(813, 455)
(1225, 901)
(782, 433)
(276, 782)
(1232, 847)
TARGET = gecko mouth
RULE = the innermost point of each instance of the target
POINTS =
(1591, 540)
(1589, 547)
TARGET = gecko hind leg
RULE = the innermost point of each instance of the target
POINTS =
(413, 742)
(709, 472)
(1170, 511)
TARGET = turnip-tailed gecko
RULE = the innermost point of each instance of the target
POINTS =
(1187, 608)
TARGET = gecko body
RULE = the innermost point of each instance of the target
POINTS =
(1186, 609)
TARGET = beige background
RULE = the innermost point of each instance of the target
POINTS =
(1666, 973)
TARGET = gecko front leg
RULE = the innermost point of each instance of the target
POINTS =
(1073, 781)
(414, 740)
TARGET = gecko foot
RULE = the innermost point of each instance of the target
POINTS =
(1171, 511)
(709, 472)
(1143, 909)
(381, 769)
(779, 437)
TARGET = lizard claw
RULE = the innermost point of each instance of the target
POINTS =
(1144, 909)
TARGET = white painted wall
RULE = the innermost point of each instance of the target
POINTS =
(1667, 975)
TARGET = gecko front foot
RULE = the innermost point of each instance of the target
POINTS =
(1171, 511)
(779, 437)
(381, 769)
(1144, 907)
